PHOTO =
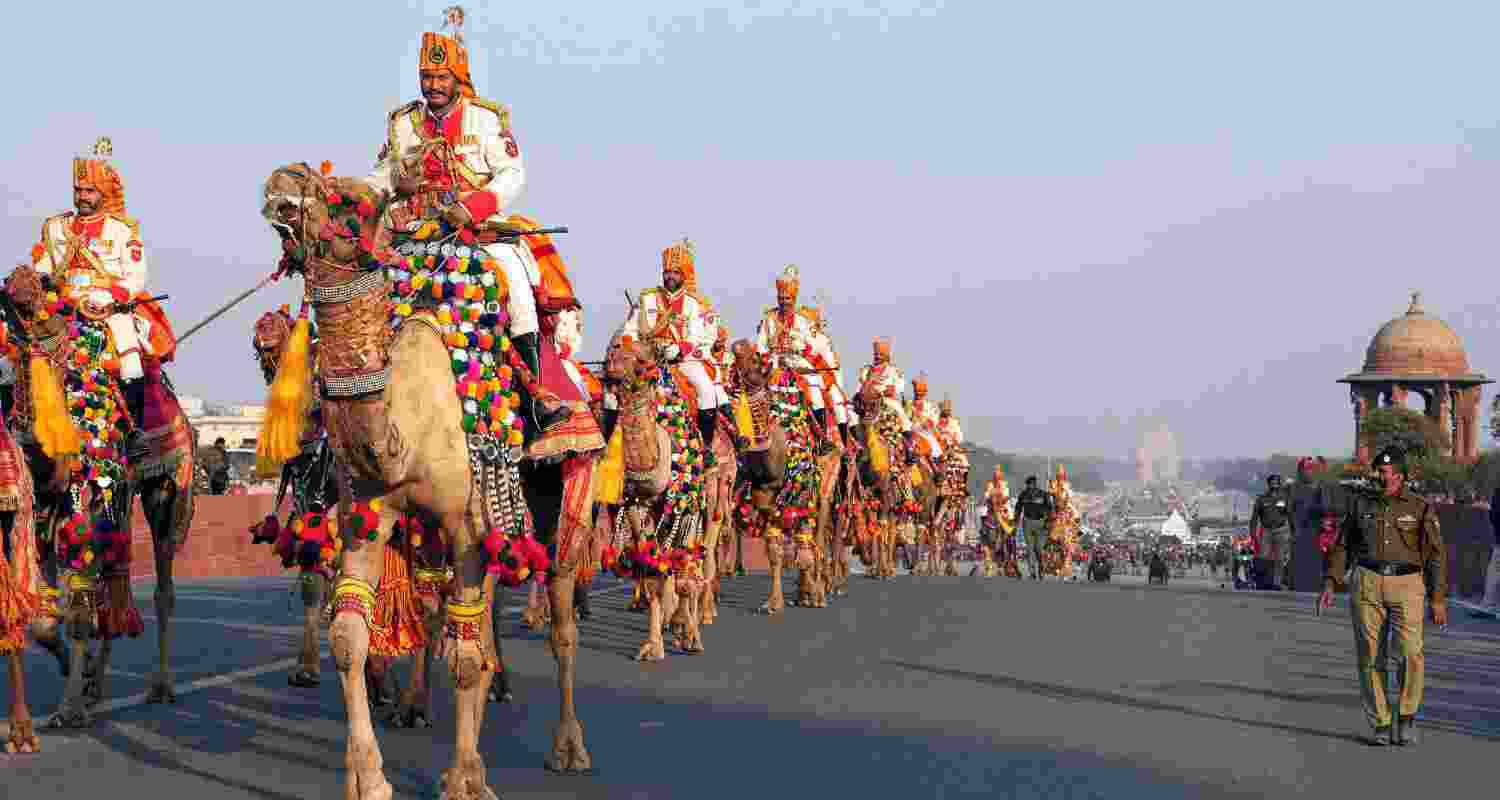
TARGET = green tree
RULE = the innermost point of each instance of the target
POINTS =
(1416, 433)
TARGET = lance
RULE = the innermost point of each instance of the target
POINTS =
(231, 304)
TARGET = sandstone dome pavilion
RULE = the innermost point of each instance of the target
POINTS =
(1419, 353)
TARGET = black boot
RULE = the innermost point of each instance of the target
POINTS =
(708, 422)
(135, 404)
(611, 416)
(527, 345)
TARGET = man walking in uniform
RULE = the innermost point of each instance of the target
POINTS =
(1394, 539)
(1034, 506)
(1272, 514)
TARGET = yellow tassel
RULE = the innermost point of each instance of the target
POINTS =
(743, 421)
(880, 457)
(609, 481)
(916, 476)
(289, 402)
(53, 426)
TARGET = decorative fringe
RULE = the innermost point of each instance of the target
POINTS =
(117, 614)
(14, 614)
(52, 425)
(744, 422)
(916, 476)
(609, 484)
(396, 629)
(289, 402)
(880, 457)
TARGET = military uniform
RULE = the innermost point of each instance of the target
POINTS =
(1272, 512)
(888, 378)
(1395, 548)
(1033, 507)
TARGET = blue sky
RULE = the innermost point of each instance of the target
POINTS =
(1192, 212)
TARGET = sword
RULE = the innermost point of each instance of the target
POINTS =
(231, 304)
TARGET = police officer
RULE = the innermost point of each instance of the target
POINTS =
(1393, 540)
(1272, 512)
(1034, 506)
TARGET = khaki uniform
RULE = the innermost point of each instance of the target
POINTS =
(1395, 548)
(1272, 512)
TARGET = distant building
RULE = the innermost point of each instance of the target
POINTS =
(238, 425)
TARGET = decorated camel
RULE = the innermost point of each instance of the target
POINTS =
(779, 491)
(69, 418)
(659, 523)
(26, 602)
(422, 382)
(902, 489)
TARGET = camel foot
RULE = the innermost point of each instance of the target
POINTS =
(535, 619)
(769, 610)
(70, 718)
(93, 691)
(161, 690)
(22, 738)
(569, 756)
(651, 651)
(409, 717)
(303, 679)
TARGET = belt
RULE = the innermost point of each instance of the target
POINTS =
(1390, 568)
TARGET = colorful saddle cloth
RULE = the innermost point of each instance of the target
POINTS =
(796, 504)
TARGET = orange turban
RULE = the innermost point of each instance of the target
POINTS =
(883, 347)
(679, 258)
(448, 53)
(918, 384)
(790, 279)
(95, 172)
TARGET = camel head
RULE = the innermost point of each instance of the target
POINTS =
(630, 363)
(749, 366)
(27, 290)
(318, 215)
(271, 332)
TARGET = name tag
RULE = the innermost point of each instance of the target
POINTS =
(1281, 504)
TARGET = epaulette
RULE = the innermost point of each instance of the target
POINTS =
(405, 109)
(652, 290)
(130, 222)
(501, 111)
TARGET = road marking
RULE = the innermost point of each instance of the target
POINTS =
(290, 630)
(211, 682)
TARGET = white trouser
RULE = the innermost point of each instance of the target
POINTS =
(841, 411)
(129, 331)
(577, 378)
(1492, 579)
(709, 395)
(815, 388)
(521, 274)
(932, 441)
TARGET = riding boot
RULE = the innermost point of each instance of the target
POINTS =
(708, 420)
(527, 347)
(611, 416)
(135, 404)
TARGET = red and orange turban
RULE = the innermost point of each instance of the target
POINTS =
(679, 258)
(95, 172)
(447, 53)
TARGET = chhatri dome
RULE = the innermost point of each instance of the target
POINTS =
(1416, 344)
(1418, 354)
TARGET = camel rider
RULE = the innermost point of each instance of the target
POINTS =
(788, 337)
(889, 380)
(681, 323)
(96, 257)
(452, 157)
(950, 434)
(830, 373)
(924, 420)
(1034, 506)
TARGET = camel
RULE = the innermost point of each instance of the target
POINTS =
(655, 459)
(402, 448)
(25, 599)
(903, 488)
(718, 511)
(311, 477)
(97, 602)
(782, 487)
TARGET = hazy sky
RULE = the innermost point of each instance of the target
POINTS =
(1073, 216)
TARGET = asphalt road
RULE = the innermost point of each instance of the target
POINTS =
(917, 687)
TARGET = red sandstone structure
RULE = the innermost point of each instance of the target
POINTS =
(1421, 354)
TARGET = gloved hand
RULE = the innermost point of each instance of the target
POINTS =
(672, 351)
(119, 294)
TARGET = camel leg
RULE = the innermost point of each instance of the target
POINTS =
(653, 649)
(569, 756)
(349, 641)
(775, 603)
(414, 701)
(535, 615)
(693, 602)
(96, 671)
(73, 712)
(22, 738)
(306, 674)
(159, 504)
(499, 691)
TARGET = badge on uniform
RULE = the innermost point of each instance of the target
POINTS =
(511, 148)
(135, 250)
